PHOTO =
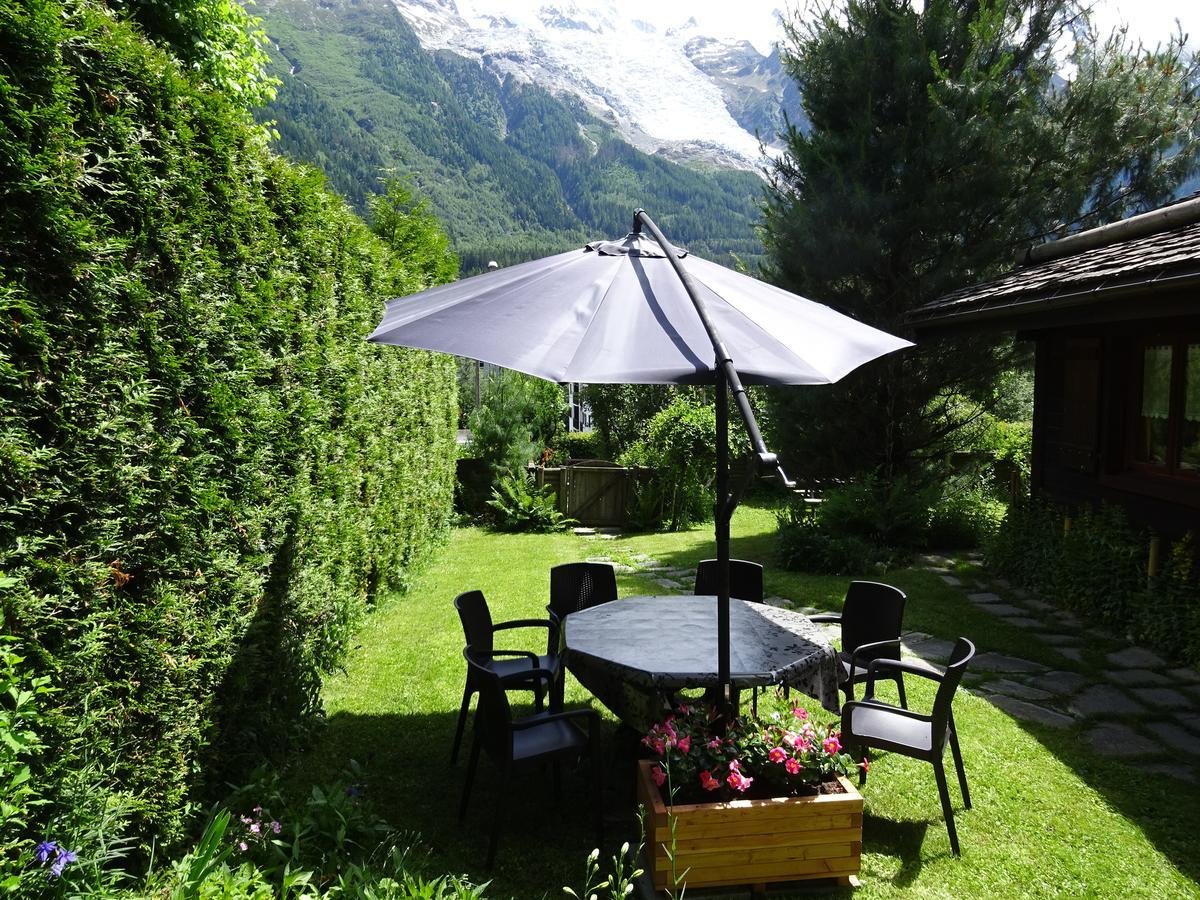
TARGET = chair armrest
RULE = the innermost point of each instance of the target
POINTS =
(874, 645)
(523, 623)
(532, 657)
(904, 665)
(826, 617)
(527, 675)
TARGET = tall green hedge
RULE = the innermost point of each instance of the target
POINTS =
(206, 473)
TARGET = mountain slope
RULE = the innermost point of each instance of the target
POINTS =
(513, 171)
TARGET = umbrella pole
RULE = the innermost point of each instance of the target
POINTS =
(724, 684)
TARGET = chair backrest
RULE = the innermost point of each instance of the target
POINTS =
(581, 585)
(745, 579)
(476, 620)
(960, 656)
(872, 612)
(493, 716)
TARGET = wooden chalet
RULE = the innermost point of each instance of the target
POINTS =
(1115, 316)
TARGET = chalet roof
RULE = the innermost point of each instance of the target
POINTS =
(1153, 253)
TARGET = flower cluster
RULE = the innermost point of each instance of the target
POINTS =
(256, 830)
(780, 754)
(61, 856)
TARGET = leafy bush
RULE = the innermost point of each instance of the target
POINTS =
(1097, 566)
(578, 445)
(807, 545)
(206, 474)
(522, 506)
(680, 446)
(884, 512)
(964, 517)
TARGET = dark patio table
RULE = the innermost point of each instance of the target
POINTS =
(633, 653)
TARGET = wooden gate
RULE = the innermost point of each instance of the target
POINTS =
(594, 492)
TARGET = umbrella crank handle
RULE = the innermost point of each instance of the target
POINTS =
(764, 465)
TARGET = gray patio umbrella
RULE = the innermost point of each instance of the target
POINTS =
(640, 311)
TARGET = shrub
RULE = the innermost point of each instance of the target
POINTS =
(680, 446)
(964, 517)
(206, 474)
(578, 445)
(884, 512)
(806, 545)
(522, 506)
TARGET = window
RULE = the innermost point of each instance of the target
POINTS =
(1167, 427)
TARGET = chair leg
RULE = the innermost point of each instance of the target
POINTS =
(462, 722)
(597, 790)
(471, 767)
(501, 805)
(900, 691)
(958, 764)
(947, 809)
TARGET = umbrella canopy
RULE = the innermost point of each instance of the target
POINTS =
(617, 312)
(634, 312)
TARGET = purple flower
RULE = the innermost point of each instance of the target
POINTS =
(45, 850)
(60, 862)
(276, 827)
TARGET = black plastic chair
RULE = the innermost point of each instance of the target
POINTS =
(575, 586)
(479, 631)
(745, 579)
(871, 618)
(871, 723)
(542, 737)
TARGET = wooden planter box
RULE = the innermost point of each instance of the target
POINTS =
(753, 842)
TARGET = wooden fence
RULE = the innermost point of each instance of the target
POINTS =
(594, 492)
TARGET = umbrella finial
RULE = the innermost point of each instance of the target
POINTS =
(637, 220)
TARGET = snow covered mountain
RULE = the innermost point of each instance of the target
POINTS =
(672, 91)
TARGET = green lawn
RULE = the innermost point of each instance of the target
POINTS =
(1050, 817)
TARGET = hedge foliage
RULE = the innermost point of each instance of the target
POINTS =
(206, 474)
(1098, 567)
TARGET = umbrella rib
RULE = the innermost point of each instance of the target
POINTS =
(587, 328)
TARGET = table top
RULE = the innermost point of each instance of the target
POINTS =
(670, 642)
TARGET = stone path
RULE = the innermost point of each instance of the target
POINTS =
(1126, 701)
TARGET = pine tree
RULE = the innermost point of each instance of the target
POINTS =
(941, 141)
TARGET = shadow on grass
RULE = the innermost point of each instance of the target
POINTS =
(405, 762)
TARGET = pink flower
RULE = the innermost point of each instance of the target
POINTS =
(684, 708)
(708, 782)
(800, 712)
(832, 744)
(714, 744)
(276, 827)
(242, 846)
(684, 743)
(864, 765)
(659, 747)
(777, 755)
(658, 775)
(735, 766)
(791, 738)
(792, 766)
(739, 782)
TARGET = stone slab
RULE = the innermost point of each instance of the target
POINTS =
(1175, 737)
(1136, 677)
(1067, 619)
(1023, 622)
(599, 559)
(985, 598)
(1190, 720)
(779, 602)
(1056, 640)
(1002, 609)
(1030, 712)
(1184, 676)
(667, 583)
(1136, 658)
(931, 649)
(1072, 653)
(1016, 689)
(1062, 683)
(998, 662)
(952, 580)
(1163, 698)
(1104, 700)
(1114, 739)
(1172, 770)
(583, 530)
(1035, 604)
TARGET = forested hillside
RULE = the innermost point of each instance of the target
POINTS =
(512, 171)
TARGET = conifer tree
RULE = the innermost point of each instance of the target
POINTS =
(943, 140)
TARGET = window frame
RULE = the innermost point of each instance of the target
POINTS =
(1172, 469)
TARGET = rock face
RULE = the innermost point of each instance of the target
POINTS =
(674, 91)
